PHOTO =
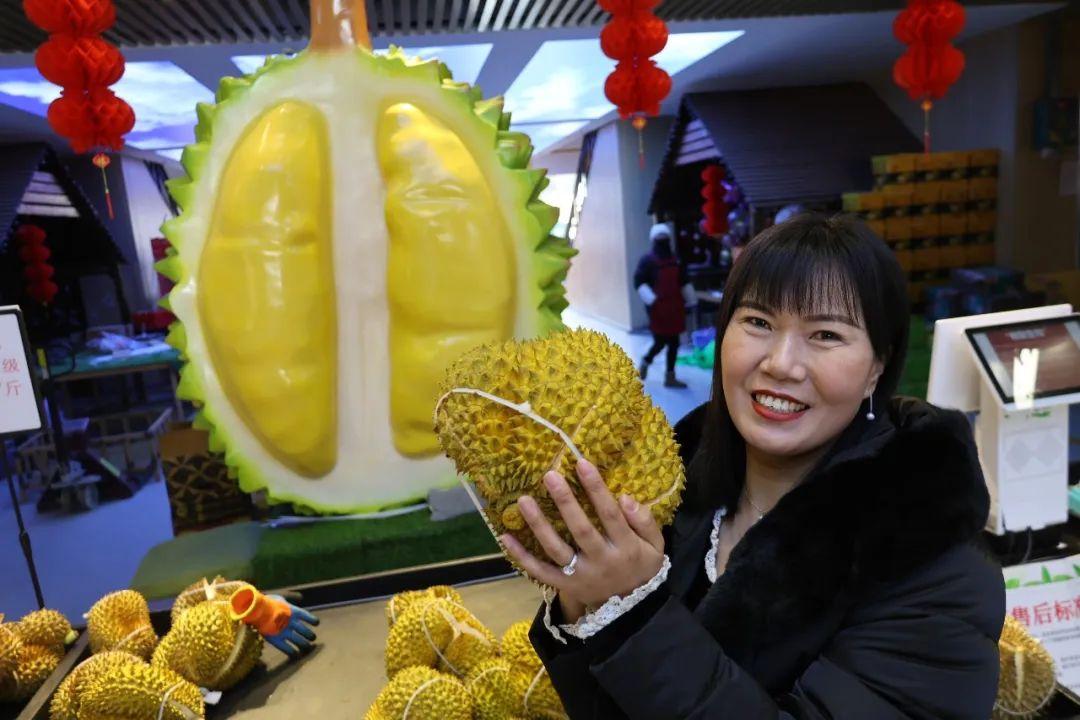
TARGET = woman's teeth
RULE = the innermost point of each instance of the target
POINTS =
(779, 405)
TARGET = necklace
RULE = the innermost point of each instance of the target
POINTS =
(759, 511)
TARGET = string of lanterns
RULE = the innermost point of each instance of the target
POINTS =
(37, 271)
(931, 63)
(631, 38)
(75, 57)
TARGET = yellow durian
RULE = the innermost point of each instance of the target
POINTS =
(401, 602)
(9, 648)
(421, 693)
(65, 702)
(439, 633)
(121, 621)
(138, 691)
(35, 664)
(203, 591)
(512, 411)
(1027, 679)
(209, 648)
(491, 688)
(535, 696)
(46, 627)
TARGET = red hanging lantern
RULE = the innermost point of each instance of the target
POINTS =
(626, 7)
(714, 209)
(38, 272)
(640, 35)
(87, 113)
(931, 64)
(78, 62)
(81, 17)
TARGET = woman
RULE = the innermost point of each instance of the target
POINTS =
(667, 296)
(823, 562)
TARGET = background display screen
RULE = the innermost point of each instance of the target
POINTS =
(1033, 359)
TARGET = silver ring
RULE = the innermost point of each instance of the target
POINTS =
(571, 567)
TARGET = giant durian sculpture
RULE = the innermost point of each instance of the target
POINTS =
(1028, 679)
(511, 411)
(352, 223)
(30, 650)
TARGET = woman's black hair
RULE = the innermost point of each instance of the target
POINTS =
(810, 264)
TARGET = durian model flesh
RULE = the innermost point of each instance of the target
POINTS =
(512, 411)
(352, 223)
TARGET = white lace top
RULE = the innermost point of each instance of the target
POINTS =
(616, 606)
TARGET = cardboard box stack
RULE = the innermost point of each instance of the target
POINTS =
(937, 212)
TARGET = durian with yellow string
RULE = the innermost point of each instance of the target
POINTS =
(438, 633)
(208, 647)
(120, 686)
(121, 621)
(402, 601)
(1027, 680)
(30, 650)
(422, 693)
(510, 412)
(535, 696)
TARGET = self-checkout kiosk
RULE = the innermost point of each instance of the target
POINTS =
(1020, 371)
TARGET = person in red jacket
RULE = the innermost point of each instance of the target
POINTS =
(663, 288)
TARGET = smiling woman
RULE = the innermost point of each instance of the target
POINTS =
(823, 563)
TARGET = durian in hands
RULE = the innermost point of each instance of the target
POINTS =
(30, 651)
(511, 411)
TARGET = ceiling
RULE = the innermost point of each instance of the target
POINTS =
(198, 22)
(179, 49)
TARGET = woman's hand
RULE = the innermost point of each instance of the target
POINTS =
(628, 553)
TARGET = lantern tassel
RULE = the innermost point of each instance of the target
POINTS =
(926, 106)
(108, 195)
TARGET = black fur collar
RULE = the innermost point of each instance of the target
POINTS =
(910, 489)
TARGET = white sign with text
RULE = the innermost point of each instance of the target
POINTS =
(19, 409)
(1045, 597)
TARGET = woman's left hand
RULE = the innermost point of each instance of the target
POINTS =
(624, 557)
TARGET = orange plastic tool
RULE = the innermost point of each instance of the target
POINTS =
(267, 615)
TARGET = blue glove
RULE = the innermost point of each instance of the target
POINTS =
(297, 637)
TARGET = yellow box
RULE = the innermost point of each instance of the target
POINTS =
(926, 255)
(982, 188)
(926, 193)
(928, 225)
(980, 254)
(934, 162)
(862, 202)
(981, 221)
(897, 195)
(954, 224)
(953, 255)
(898, 228)
(903, 258)
(899, 164)
(989, 157)
(878, 226)
(954, 191)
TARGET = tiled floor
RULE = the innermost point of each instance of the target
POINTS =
(81, 557)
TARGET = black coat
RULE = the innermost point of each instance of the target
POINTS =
(862, 594)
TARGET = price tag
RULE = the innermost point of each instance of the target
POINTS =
(20, 410)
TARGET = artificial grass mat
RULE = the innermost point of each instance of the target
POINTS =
(294, 555)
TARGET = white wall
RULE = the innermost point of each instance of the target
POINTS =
(597, 284)
(148, 211)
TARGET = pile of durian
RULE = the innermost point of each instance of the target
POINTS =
(30, 650)
(444, 664)
(132, 675)
(512, 411)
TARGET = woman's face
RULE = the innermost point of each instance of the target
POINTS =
(793, 383)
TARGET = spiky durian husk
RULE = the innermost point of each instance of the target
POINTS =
(138, 691)
(542, 258)
(35, 664)
(121, 621)
(46, 627)
(398, 604)
(426, 694)
(9, 649)
(578, 381)
(535, 696)
(439, 634)
(65, 702)
(209, 648)
(491, 686)
(1027, 679)
(203, 591)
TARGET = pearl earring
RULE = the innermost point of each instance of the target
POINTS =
(870, 414)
